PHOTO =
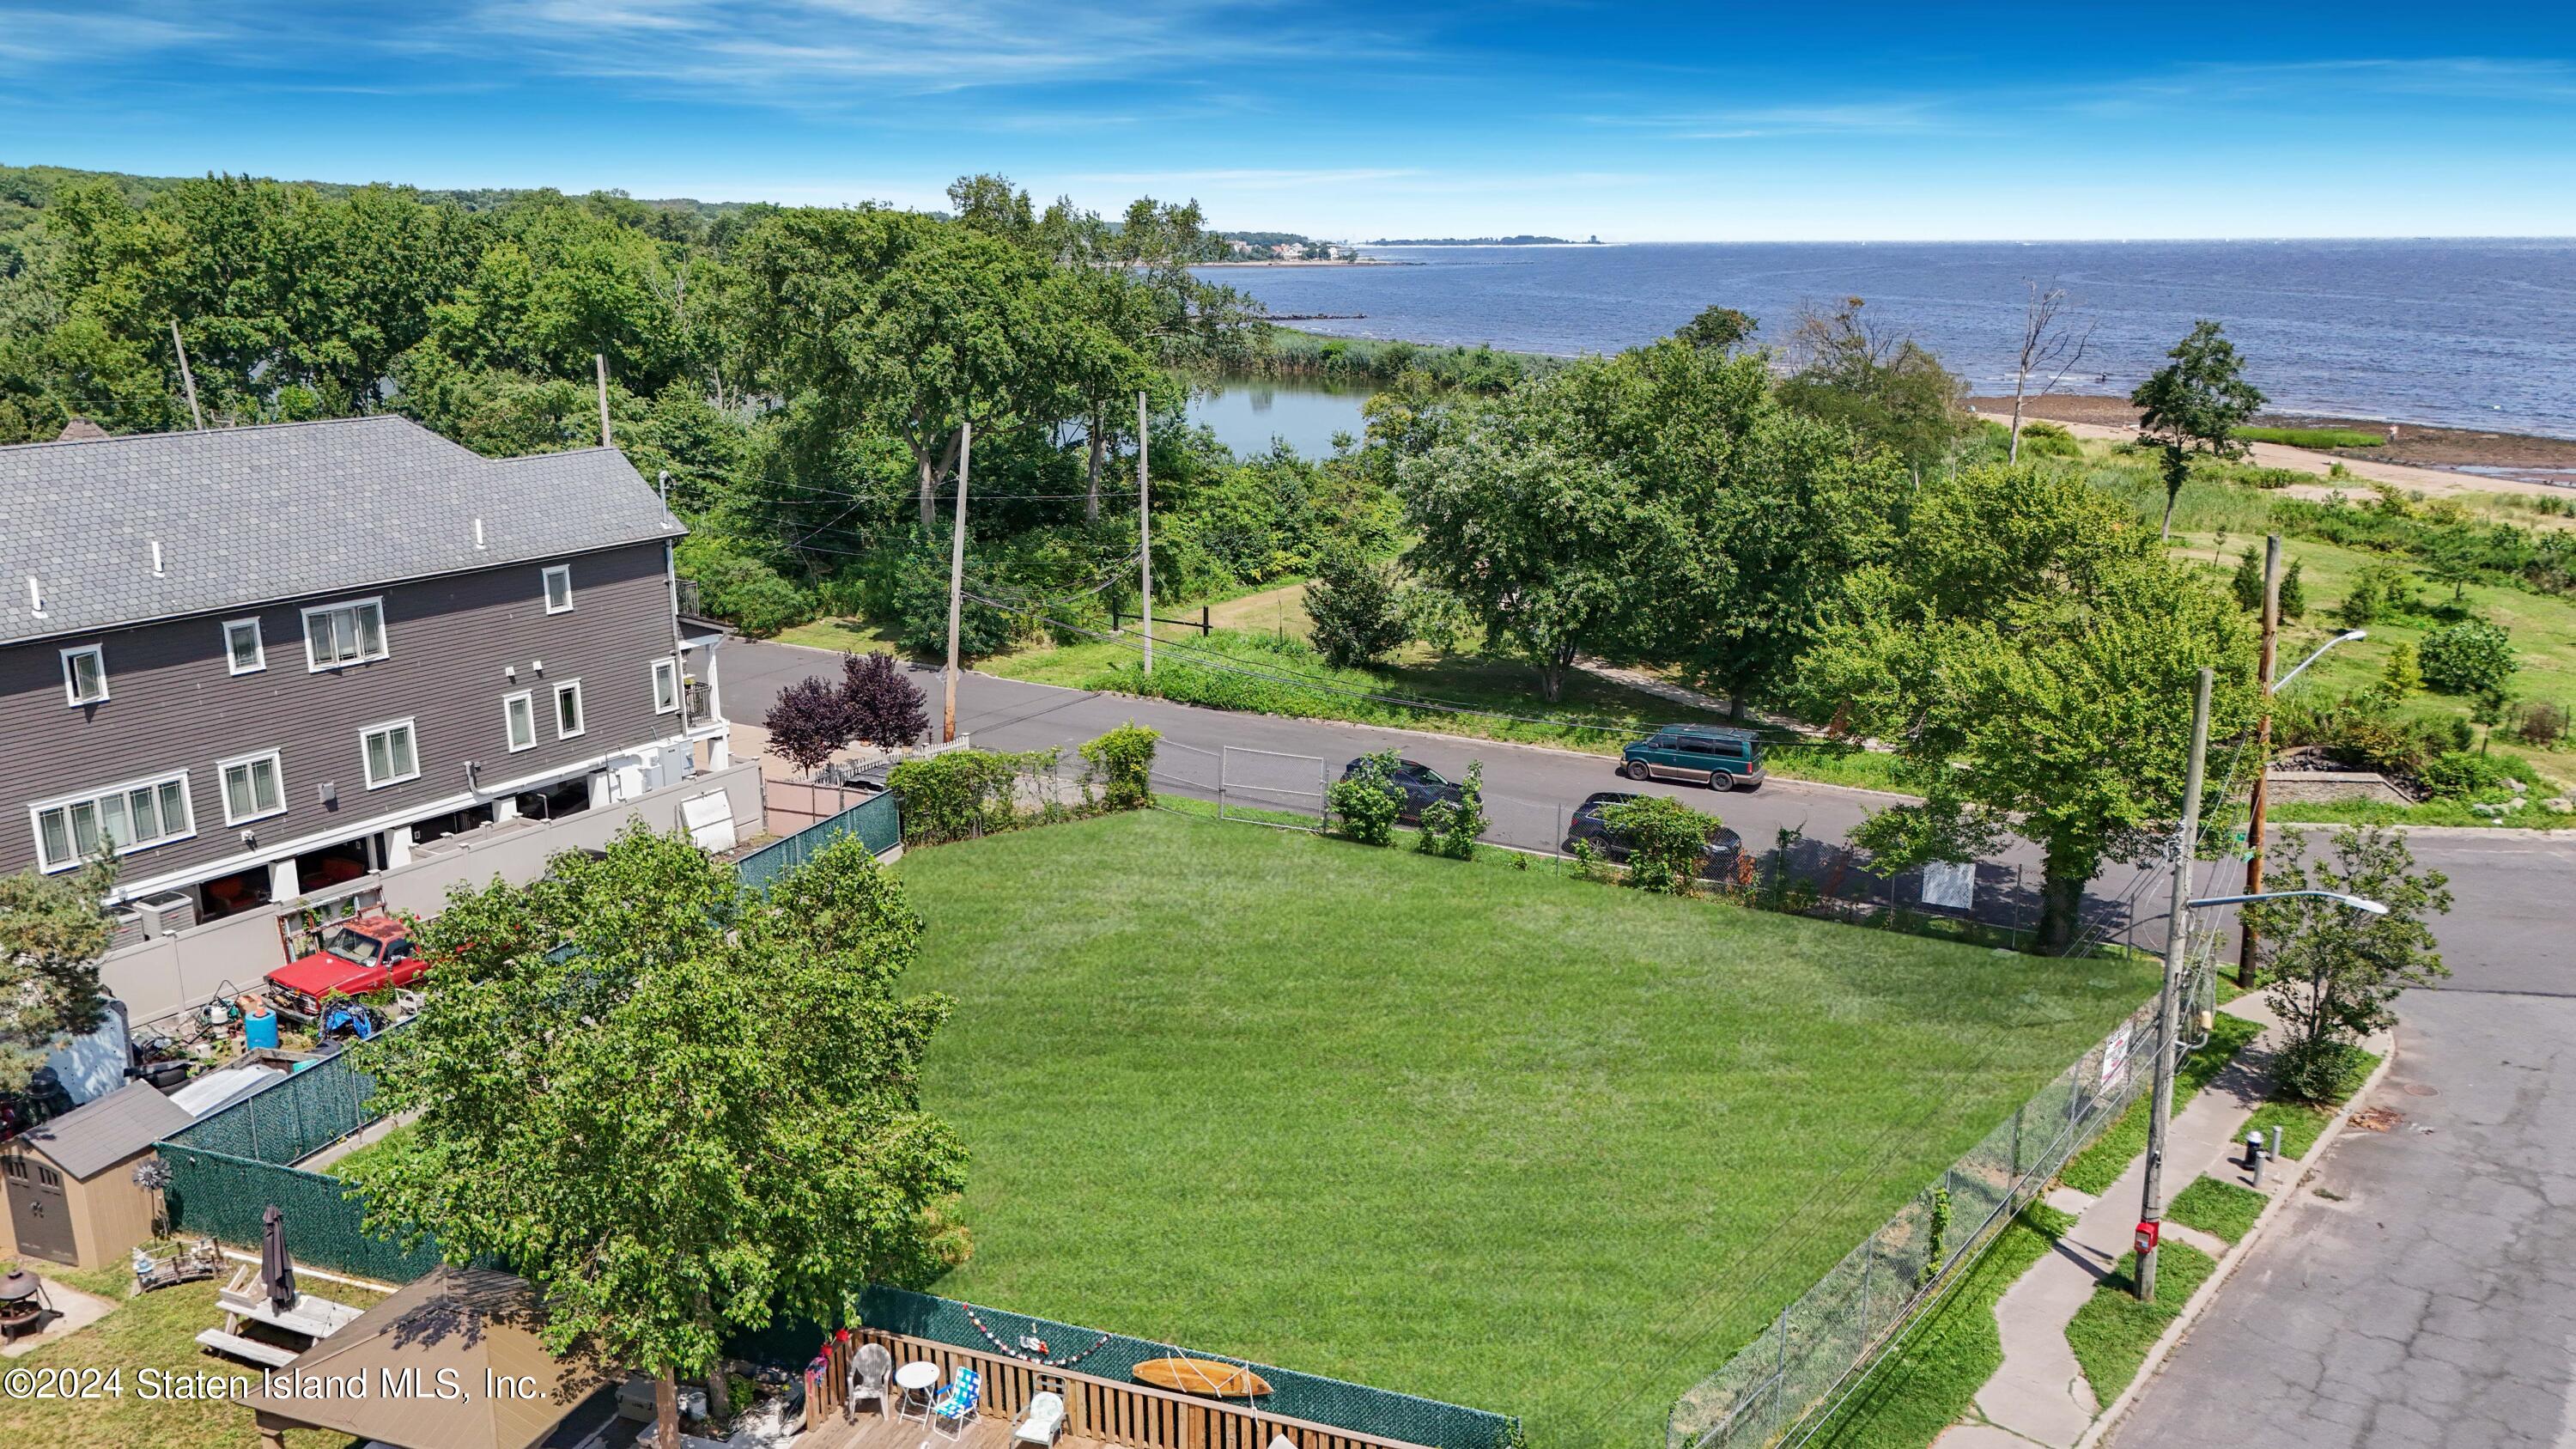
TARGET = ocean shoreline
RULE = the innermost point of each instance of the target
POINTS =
(2473, 452)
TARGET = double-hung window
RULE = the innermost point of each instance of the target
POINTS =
(393, 754)
(519, 714)
(243, 652)
(568, 719)
(85, 675)
(342, 634)
(254, 788)
(559, 589)
(120, 820)
(666, 686)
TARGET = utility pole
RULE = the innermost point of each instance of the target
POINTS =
(600, 359)
(2262, 753)
(2151, 1212)
(186, 377)
(1144, 535)
(956, 581)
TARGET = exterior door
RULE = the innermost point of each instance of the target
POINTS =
(40, 1213)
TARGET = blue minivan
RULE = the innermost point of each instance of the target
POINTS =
(1717, 756)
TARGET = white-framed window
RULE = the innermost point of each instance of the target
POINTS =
(85, 675)
(666, 686)
(568, 716)
(344, 633)
(392, 751)
(254, 787)
(123, 818)
(519, 716)
(559, 589)
(243, 651)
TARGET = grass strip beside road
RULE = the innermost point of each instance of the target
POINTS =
(1928, 1381)
(2113, 1331)
(2094, 1169)
(2301, 1123)
(2221, 1209)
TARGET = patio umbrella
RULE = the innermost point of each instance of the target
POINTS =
(276, 1269)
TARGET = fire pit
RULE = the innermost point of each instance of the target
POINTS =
(22, 1303)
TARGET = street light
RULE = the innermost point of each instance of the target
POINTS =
(2358, 903)
(2261, 796)
(2349, 636)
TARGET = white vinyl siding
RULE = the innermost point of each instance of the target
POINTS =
(243, 651)
(519, 717)
(666, 686)
(559, 589)
(85, 675)
(392, 753)
(343, 634)
(568, 717)
(254, 788)
(125, 818)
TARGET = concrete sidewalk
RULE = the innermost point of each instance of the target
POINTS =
(2039, 1395)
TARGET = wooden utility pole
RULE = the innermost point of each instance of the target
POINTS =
(956, 582)
(187, 378)
(2151, 1211)
(1144, 534)
(601, 358)
(2245, 969)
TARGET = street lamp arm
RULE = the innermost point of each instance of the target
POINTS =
(2349, 636)
(2358, 903)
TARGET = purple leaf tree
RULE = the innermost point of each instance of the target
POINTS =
(809, 721)
(884, 708)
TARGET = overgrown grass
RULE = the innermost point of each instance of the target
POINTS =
(2301, 1123)
(155, 1331)
(2222, 1209)
(2095, 1168)
(2314, 437)
(1925, 1384)
(1500, 1137)
(2113, 1331)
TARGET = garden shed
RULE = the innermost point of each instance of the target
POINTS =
(70, 1183)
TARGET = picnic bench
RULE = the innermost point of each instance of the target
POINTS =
(266, 1355)
(313, 1319)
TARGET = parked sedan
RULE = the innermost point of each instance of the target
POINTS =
(1420, 784)
(1717, 861)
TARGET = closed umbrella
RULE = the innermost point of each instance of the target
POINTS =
(276, 1269)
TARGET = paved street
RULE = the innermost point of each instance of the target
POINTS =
(2431, 1301)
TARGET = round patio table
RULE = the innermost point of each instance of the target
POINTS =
(916, 1379)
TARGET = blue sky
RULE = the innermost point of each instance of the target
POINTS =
(1636, 122)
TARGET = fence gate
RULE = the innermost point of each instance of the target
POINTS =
(1269, 788)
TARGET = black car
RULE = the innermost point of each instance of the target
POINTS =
(1717, 860)
(1420, 783)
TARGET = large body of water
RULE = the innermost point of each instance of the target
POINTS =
(2477, 334)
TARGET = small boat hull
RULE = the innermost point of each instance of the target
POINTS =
(1204, 1377)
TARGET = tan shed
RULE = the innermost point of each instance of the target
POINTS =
(70, 1183)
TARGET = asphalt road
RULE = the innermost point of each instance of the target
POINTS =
(2426, 1296)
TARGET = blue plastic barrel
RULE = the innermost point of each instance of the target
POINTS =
(259, 1027)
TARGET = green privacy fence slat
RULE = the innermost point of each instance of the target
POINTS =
(224, 1197)
(873, 820)
(292, 1118)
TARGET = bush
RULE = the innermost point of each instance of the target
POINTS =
(2379, 591)
(1452, 829)
(920, 604)
(2318, 1069)
(2048, 440)
(1667, 840)
(2294, 593)
(743, 591)
(955, 796)
(2402, 675)
(1123, 761)
(1367, 803)
(2542, 724)
(1357, 608)
(2461, 775)
(2474, 657)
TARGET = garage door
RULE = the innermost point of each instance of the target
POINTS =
(39, 1213)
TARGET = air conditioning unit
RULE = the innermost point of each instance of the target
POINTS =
(124, 928)
(166, 914)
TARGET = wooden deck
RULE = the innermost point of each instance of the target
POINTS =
(873, 1430)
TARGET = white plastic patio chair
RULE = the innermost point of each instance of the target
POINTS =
(871, 1373)
(1041, 1423)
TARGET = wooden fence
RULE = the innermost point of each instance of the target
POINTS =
(1137, 1416)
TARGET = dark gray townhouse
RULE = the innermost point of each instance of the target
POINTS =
(278, 673)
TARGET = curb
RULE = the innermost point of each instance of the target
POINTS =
(2198, 1304)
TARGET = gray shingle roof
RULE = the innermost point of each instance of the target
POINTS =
(105, 1132)
(255, 515)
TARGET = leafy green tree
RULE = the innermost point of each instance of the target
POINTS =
(1357, 608)
(52, 933)
(2336, 971)
(2456, 558)
(1718, 329)
(1667, 842)
(1884, 387)
(2401, 675)
(702, 1111)
(2380, 591)
(2294, 593)
(2247, 582)
(2195, 404)
(2034, 658)
(2472, 657)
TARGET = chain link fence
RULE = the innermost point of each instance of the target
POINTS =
(1786, 1383)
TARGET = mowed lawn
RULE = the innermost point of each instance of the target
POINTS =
(1504, 1138)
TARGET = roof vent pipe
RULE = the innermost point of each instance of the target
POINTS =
(156, 558)
(478, 533)
(35, 597)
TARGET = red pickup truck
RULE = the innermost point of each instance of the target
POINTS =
(359, 955)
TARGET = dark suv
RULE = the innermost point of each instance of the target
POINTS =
(1717, 858)
(1715, 755)
(1419, 783)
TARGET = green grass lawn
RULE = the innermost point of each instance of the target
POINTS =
(1499, 1137)
(2094, 1169)
(1927, 1382)
(2112, 1332)
(2302, 1122)
(2219, 1208)
(855, 636)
